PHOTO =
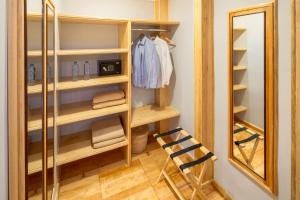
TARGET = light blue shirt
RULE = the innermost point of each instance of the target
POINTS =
(146, 65)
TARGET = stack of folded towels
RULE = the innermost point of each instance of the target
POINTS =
(107, 132)
(107, 99)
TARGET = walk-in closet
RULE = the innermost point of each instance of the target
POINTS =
(149, 99)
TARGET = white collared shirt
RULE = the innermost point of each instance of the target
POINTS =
(163, 51)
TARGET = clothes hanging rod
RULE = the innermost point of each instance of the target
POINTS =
(149, 30)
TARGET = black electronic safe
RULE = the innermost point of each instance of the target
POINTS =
(109, 67)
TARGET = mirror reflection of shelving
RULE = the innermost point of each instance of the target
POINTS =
(239, 67)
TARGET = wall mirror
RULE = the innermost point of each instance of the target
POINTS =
(252, 93)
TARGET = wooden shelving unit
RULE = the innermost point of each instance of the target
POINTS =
(239, 87)
(69, 84)
(150, 114)
(239, 109)
(71, 113)
(72, 147)
(77, 146)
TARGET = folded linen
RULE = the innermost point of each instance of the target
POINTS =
(108, 142)
(107, 129)
(108, 96)
(109, 104)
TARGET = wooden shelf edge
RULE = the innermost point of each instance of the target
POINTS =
(66, 18)
(76, 52)
(72, 85)
(239, 87)
(74, 147)
(154, 22)
(86, 113)
(150, 114)
(240, 49)
(240, 29)
(239, 109)
(239, 68)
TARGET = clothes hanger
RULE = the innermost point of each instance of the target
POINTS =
(167, 39)
(141, 36)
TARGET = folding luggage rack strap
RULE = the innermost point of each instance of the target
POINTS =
(185, 168)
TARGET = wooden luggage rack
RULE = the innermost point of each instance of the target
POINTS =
(196, 181)
(241, 143)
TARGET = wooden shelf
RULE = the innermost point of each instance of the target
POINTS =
(240, 49)
(69, 84)
(154, 22)
(72, 148)
(76, 52)
(74, 112)
(64, 18)
(89, 20)
(239, 87)
(150, 114)
(239, 109)
(37, 53)
(240, 29)
(239, 68)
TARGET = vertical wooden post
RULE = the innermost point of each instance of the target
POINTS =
(162, 95)
(295, 183)
(204, 75)
(125, 42)
(16, 100)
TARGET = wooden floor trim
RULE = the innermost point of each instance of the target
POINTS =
(221, 190)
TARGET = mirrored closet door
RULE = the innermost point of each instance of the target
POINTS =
(41, 181)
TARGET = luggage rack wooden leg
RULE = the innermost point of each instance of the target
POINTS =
(184, 168)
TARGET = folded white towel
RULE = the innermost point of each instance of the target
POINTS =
(108, 142)
(108, 96)
(109, 104)
(107, 129)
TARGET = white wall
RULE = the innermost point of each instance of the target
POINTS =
(236, 183)
(142, 9)
(183, 56)
(253, 40)
(3, 104)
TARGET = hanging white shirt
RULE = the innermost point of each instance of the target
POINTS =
(163, 51)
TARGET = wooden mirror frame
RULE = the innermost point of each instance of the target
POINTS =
(269, 182)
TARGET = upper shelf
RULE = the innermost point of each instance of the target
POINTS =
(64, 18)
(69, 84)
(89, 20)
(76, 52)
(154, 22)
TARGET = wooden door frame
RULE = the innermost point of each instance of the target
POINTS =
(295, 168)
(16, 100)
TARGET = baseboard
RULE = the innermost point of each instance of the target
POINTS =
(221, 190)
